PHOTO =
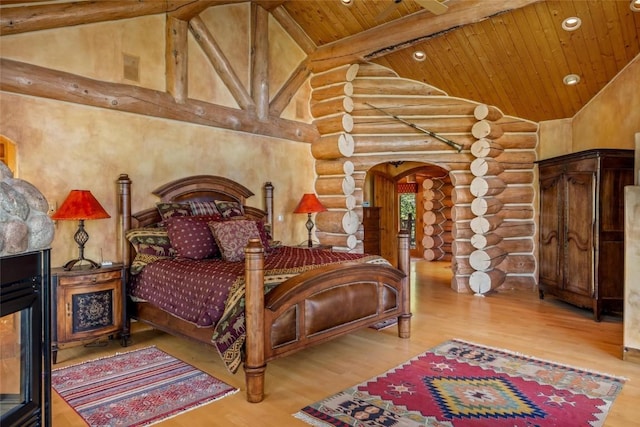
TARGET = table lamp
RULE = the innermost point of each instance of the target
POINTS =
(309, 204)
(80, 205)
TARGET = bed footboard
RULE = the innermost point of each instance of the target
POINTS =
(317, 306)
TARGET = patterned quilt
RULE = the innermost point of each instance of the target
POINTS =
(211, 292)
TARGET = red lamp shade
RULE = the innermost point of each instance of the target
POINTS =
(80, 204)
(309, 204)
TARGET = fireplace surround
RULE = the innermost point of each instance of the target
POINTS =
(25, 339)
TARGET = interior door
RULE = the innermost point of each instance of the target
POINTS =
(384, 196)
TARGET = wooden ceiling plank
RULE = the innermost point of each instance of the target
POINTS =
(488, 56)
(527, 57)
(630, 29)
(592, 53)
(607, 29)
(468, 61)
(454, 68)
(551, 26)
(529, 29)
(511, 65)
(310, 19)
(613, 20)
(412, 27)
(573, 44)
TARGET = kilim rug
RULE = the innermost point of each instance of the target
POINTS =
(136, 388)
(459, 384)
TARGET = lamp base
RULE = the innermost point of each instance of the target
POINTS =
(69, 265)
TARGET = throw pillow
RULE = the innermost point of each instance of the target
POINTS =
(191, 236)
(169, 210)
(229, 209)
(150, 244)
(204, 208)
(233, 236)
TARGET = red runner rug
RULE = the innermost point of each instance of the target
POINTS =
(137, 388)
(459, 384)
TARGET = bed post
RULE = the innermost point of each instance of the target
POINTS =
(124, 214)
(268, 202)
(254, 364)
(404, 264)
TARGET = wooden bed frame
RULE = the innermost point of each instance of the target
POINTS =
(301, 311)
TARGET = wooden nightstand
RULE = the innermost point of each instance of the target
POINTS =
(87, 304)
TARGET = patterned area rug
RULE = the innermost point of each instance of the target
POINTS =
(459, 384)
(138, 388)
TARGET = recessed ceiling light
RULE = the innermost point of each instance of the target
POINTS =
(635, 5)
(346, 2)
(419, 55)
(571, 79)
(572, 23)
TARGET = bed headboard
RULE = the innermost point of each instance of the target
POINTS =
(193, 188)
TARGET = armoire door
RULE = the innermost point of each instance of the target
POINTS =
(551, 230)
(580, 223)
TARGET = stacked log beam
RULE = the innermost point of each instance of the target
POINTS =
(339, 189)
(352, 105)
(436, 202)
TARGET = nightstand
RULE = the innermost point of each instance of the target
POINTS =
(86, 305)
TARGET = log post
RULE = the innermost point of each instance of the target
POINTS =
(487, 112)
(254, 364)
(486, 148)
(404, 264)
(482, 282)
(486, 129)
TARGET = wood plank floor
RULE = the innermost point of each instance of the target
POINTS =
(511, 319)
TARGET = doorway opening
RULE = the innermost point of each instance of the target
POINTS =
(417, 197)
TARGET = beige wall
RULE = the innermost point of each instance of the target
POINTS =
(609, 120)
(63, 146)
(612, 117)
(554, 138)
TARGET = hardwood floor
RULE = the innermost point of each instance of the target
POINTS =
(511, 319)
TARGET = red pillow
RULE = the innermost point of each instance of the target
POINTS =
(191, 236)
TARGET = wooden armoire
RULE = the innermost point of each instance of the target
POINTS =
(582, 227)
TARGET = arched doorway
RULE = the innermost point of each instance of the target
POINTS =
(388, 185)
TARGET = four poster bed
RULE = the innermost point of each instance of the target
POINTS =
(260, 302)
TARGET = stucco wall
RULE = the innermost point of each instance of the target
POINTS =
(612, 117)
(63, 146)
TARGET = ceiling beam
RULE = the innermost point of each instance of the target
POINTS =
(404, 32)
(22, 19)
(32, 80)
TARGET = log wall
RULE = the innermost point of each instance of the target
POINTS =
(484, 225)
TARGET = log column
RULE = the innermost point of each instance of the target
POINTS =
(331, 105)
(485, 186)
(436, 201)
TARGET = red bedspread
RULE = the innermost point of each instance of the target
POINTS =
(211, 292)
(196, 290)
